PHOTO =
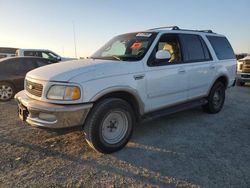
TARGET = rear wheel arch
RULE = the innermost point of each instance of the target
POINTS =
(221, 78)
(9, 82)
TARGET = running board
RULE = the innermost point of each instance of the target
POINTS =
(173, 109)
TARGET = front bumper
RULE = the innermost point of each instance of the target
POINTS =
(49, 115)
(243, 77)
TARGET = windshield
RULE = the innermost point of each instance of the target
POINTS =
(127, 47)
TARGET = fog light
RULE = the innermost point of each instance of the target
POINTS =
(47, 117)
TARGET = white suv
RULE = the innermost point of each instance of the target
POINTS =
(134, 76)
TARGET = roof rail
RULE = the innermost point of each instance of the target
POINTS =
(177, 28)
(167, 27)
(206, 31)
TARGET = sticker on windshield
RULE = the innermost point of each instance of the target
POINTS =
(144, 34)
(136, 45)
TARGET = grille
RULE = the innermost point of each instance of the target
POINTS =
(245, 76)
(34, 88)
(246, 67)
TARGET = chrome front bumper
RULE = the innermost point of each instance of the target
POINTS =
(245, 77)
(49, 115)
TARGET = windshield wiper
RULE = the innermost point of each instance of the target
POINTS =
(116, 57)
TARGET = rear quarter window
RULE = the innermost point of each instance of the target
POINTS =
(42, 62)
(195, 49)
(222, 47)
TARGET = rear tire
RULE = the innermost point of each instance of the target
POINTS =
(215, 98)
(7, 91)
(109, 125)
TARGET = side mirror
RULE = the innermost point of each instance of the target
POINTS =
(162, 55)
(58, 58)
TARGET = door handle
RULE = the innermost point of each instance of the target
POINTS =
(139, 76)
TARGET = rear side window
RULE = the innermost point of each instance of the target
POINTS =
(42, 62)
(194, 48)
(30, 64)
(222, 47)
(13, 66)
(32, 53)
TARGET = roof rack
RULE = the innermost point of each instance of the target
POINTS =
(177, 28)
(206, 31)
(166, 27)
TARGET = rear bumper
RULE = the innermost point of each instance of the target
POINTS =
(49, 115)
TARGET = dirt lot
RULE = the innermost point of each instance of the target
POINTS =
(187, 149)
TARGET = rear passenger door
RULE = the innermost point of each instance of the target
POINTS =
(201, 65)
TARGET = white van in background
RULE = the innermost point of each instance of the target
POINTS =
(7, 52)
(48, 54)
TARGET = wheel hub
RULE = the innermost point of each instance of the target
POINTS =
(114, 127)
(5, 92)
(217, 97)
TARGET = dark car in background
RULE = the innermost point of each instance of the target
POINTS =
(13, 71)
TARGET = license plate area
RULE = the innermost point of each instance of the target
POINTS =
(23, 112)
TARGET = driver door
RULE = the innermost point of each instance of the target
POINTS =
(166, 81)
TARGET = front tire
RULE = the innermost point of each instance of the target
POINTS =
(215, 98)
(109, 125)
(7, 91)
(241, 83)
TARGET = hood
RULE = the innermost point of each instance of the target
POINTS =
(86, 69)
(245, 58)
(67, 58)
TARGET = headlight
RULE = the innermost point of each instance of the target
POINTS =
(60, 92)
(239, 66)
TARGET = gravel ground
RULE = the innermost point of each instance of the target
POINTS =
(186, 149)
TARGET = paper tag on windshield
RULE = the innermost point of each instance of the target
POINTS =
(144, 34)
(136, 45)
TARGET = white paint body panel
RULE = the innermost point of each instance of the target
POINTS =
(159, 87)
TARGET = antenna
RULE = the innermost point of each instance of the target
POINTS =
(74, 38)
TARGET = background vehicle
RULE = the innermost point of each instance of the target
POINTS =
(13, 71)
(134, 76)
(243, 70)
(241, 55)
(7, 52)
(48, 54)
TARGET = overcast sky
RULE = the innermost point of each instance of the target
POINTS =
(48, 24)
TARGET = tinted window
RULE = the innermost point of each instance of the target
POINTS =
(32, 53)
(8, 50)
(50, 56)
(194, 47)
(29, 64)
(222, 47)
(17, 66)
(42, 62)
